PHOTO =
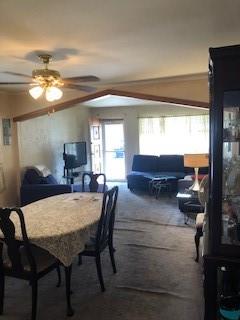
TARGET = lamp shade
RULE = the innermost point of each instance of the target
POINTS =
(53, 93)
(196, 160)
(36, 92)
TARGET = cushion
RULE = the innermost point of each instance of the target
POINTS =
(32, 177)
(42, 170)
(144, 163)
(171, 163)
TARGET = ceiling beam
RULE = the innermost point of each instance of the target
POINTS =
(137, 95)
(151, 97)
(59, 106)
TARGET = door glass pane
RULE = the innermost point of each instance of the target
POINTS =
(114, 154)
(231, 169)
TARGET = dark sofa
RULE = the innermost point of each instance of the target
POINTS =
(36, 187)
(147, 167)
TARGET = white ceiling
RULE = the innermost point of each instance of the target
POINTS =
(115, 40)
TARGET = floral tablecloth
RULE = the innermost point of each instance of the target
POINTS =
(62, 224)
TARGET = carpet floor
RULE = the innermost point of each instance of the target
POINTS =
(157, 277)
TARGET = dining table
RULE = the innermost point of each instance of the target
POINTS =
(62, 225)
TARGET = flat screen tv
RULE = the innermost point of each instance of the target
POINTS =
(75, 154)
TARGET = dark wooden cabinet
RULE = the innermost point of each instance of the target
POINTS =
(222, 261)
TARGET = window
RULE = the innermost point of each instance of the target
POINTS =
(174, 135)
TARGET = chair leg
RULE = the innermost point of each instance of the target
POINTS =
(99, 272)
(59, 276)
(34, 284)
(68, 272)
(2, 288)
(79, 259)
(111, 252)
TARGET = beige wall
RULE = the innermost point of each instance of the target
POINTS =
(9, 156)
(41, 139)
(130, 116)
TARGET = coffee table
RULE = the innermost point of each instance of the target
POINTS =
(161, 184)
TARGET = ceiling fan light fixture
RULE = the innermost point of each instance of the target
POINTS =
(48, 82)
(36, 92)
(53, 93)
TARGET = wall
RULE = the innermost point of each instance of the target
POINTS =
(131, 114)
(8, 156)
(41, 139)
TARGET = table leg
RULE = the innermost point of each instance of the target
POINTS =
(68, 272)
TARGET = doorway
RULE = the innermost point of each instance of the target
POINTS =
(113, 149)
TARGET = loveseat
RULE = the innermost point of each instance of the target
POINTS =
(38, 183)
(147, 167)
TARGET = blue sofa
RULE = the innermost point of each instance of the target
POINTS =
(36, 187)
(147, 167)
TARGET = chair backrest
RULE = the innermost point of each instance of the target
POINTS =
(14, 246)
(93, 183)
(106, 222)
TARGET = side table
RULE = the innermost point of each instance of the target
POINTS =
(188, 203)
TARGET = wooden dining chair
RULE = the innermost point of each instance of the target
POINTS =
(92, 180)
(21, 259)
(104, 234)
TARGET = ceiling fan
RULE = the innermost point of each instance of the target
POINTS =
(49, 81)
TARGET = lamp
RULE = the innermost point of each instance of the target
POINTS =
(46, 81)
(36, 92)
(196, 161)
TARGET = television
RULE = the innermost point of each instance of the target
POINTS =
(75, 154)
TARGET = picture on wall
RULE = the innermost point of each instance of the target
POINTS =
(96, 133)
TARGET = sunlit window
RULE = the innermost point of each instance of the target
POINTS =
(174, 135)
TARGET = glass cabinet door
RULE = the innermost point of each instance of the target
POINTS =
(231, 169)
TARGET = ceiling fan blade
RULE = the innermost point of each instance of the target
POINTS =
(17, 74)
(82, 79)
(13, 83)
(79, 87)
